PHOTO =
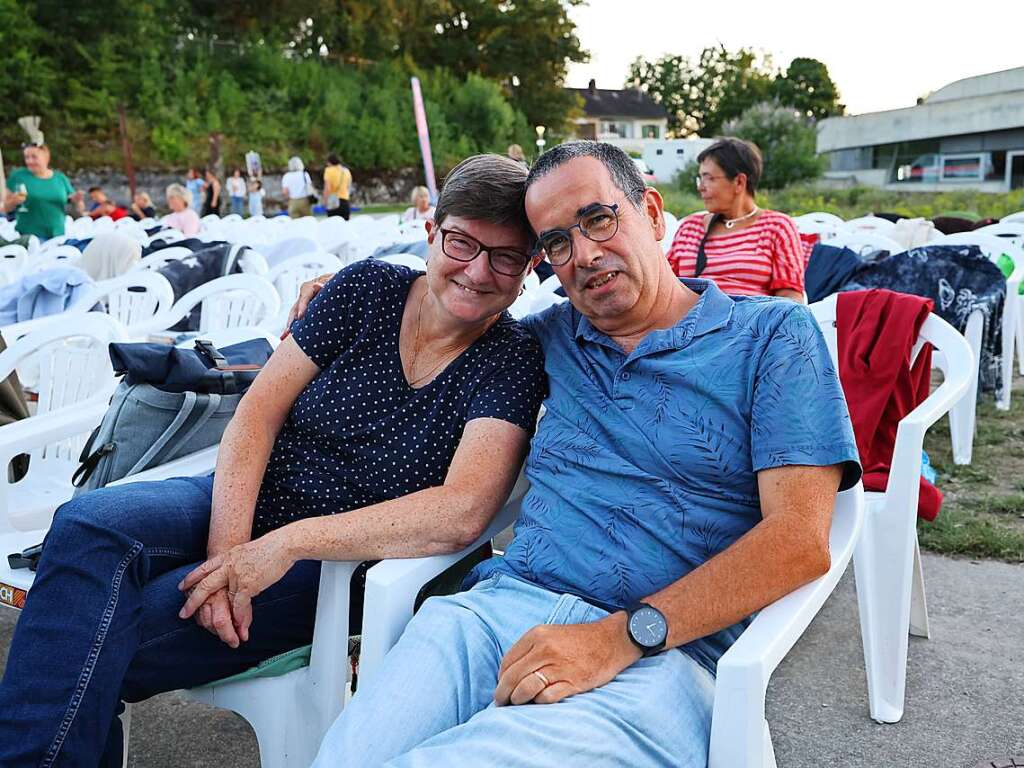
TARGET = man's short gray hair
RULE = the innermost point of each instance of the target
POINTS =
(295, 164)
(486, 188)
(623, 171)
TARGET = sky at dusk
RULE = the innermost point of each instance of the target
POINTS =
(882, 55)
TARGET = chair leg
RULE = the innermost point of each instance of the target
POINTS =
(883, 561)
(962, 415)
(126, 727)
(918, 602)
(1020, 335)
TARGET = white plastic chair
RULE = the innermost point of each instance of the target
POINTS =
(1014, 232)
(1012, 218)
(13, 259)
(160, 258)
(887, 560)
(671, 225)
(290, 274)
(993, 247)
(863, 242)
(292, 246)
(133, 299)
(874, 224)
(523, 305)
(410, 260)
(75, 382)
(227, 302)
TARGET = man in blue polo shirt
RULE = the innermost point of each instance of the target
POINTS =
(682, 477)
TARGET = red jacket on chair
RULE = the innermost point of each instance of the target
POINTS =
(877, 330)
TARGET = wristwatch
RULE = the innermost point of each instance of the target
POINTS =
(647, 628)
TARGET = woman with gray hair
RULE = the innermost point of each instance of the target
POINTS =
(297, 188)
(182, 215)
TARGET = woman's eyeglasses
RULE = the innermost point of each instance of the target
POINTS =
(462, 247)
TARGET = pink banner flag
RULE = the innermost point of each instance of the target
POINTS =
(424, 134)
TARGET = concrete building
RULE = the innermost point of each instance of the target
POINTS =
(626, 118)
(968, 134)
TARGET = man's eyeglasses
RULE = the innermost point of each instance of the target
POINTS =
(598, 222)
(461, 247)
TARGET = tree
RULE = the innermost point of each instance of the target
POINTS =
(701, 96)
(807, 87)
(786, 140)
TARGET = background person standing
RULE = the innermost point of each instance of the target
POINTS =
(38, 195)
(236, 191)
(337, 180)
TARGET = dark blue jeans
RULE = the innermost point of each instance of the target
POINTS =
(101, 625)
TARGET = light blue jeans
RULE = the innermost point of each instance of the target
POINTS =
(431, 703)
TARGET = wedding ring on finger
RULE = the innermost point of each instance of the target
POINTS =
(540, 676)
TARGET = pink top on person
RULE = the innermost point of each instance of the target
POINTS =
(187, 221)
(754, 261)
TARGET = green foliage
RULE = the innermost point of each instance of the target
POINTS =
(786, 141)
(702, 96)
(807, 87)
(284, 77)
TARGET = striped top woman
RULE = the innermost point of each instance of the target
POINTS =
(745, 250)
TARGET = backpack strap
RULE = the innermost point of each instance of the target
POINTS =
(209, 409)
(702, 258)
(191, 399)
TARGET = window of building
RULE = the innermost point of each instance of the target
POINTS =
(652, 132)
(964, 167)
(621, 129)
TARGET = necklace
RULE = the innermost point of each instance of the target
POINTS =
(730, 223)
(416, 347)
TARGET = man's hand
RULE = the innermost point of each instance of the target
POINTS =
(215, 617)
(244, 571)
(570, 659)
(309, 289)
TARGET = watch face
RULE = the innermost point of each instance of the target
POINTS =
(648, 627)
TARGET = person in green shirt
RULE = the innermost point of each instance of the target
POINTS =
(38, 195)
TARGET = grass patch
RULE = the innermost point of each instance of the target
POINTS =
(381, 208)
(983, 511)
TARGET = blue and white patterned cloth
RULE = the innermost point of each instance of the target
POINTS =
(645, 465)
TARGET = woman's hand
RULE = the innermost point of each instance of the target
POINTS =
(14, 199)
(245, 571)
(309, 289)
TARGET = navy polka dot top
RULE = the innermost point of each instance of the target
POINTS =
(358, 434)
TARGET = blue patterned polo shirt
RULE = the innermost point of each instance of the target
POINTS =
(645, 465)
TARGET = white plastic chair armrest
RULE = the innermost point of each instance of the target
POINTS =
(199, 463)
(38, 431)
(391, 589)
(738, 723)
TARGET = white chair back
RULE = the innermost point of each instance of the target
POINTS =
(863, 242)
(72, 363)
(13, 259)
(159, 258)
(871, 224)
(290, 274)
(133, 299)
(410, 260)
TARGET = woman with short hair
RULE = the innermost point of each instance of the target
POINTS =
(744, 249)
(39, 195)
(392, 422)
(421, 209)
(182, 216)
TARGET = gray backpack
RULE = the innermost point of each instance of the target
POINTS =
(145, 427)
(171, 403)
